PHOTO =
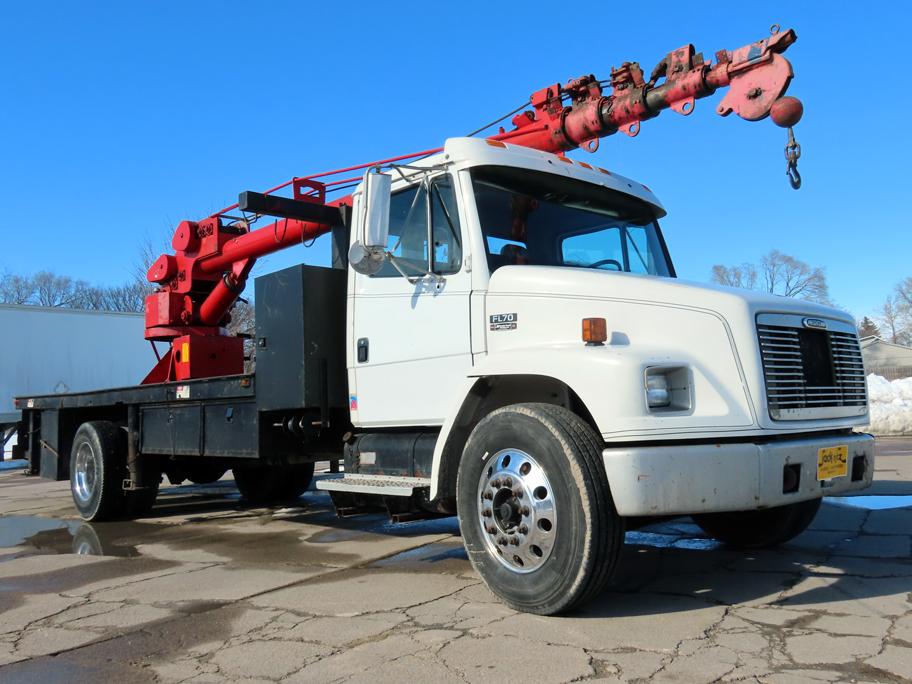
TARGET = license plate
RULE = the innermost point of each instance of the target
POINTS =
(832, 462)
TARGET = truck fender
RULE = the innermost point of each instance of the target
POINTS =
(568, 368)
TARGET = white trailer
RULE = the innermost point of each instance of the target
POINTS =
(50, 350)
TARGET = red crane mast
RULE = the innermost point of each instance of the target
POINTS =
(201, 281)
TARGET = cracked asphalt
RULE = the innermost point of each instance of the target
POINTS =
(206, 590)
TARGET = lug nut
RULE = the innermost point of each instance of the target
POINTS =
(525, 510)
(518, 492)
(491, 529)
(508, 483)
(495, 483)
(514, 541)
(502, 541)
(524, 529)
(486, 512)
(487, 495)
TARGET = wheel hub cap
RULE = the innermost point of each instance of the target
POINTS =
(517, 511)
(84, 475)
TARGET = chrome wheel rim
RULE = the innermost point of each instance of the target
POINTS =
(517, 512)
(84, 476)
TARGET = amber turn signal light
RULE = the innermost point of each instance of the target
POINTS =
(595, 331)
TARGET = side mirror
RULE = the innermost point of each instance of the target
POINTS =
(371, 223)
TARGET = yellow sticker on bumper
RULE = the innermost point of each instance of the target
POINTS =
(832, 462)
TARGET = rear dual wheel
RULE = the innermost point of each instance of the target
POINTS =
(535, 510)
(98, 468)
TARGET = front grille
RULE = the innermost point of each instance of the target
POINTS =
(810, 372)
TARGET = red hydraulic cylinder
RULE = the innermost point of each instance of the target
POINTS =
(225, 293)
(266, 240)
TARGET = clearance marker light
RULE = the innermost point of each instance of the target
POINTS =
(595, 332)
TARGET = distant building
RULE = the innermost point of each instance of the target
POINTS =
(892, 361)
(51, 350)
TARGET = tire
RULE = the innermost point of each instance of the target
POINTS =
(759, 529)
(269, 484)
(557, 545)
(97, 464)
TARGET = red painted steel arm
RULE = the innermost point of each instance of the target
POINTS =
(578, 114)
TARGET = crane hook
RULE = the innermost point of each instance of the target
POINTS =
(792, 153)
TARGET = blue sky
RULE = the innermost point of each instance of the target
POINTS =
(120, 119)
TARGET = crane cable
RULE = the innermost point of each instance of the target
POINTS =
(497, 121)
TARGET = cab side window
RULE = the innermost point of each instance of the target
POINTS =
(411, 237)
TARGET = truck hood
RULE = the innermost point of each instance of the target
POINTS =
(729, 302)
(651, 320)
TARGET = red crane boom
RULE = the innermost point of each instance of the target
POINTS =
(200, 282)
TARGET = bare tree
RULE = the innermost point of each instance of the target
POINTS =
(54, 290)
(892, 321)
(779, 274)
(743, 276)
(16, 289)
(128, 297)
(49, 289)
(903, 299)
(791, 277)
(149, 250)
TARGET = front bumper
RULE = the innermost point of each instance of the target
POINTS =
(682, 479)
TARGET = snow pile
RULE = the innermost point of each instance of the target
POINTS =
(891, 405)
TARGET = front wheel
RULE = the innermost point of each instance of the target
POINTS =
(759, 529)
(535, 510)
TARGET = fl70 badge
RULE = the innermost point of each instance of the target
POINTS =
(505, 321)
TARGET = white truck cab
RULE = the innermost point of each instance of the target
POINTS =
(522, 325)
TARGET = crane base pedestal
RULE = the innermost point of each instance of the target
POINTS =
(199, 356)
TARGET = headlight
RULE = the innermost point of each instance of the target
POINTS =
(668, 387)
(657, 395)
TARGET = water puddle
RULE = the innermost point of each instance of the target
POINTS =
(876, 502)
(439, 555)
(660, 540)
(16, 530)
(47, 535)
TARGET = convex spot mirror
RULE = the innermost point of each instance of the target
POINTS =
(371, 223)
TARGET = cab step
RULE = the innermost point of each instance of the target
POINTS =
(401, 497)
(381, 485)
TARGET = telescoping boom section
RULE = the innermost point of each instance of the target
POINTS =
(197, 285)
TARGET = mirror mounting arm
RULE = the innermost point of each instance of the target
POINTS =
(438, 279)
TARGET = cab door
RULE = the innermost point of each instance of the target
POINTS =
(409, 340)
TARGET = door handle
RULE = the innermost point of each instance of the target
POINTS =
(363, 350)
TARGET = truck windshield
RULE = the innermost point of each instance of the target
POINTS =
(543, 219)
